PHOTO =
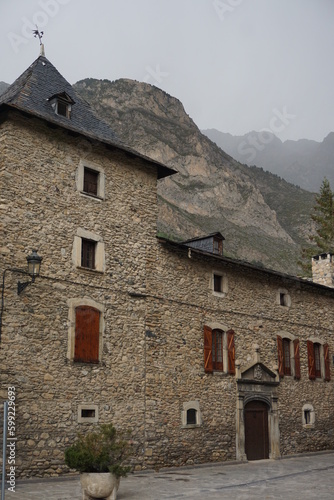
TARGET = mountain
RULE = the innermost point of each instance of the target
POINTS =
(303, 162)
(264, 219)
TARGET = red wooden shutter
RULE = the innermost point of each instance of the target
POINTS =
(208, 365)
(231, 352)
(297, 358)
(280, 356)
(327, 363)
(87, 321)
(311, 363)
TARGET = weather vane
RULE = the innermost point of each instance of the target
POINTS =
(38, 33)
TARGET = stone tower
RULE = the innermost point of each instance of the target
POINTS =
(323, 269)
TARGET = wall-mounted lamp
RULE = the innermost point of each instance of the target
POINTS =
(34, 265)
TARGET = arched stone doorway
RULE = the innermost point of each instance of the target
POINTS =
(256, 430)
(257, 409)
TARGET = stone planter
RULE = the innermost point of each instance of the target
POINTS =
(102, 485)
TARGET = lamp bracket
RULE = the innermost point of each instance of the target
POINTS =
(22, 286)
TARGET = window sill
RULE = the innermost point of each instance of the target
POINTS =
(219, 294)
(88, 270)
(92, 196)
(190, 426)
(85, 364)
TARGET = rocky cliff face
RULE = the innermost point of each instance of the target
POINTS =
(212, 191)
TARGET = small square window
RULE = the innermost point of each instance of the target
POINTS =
(90, 184)
(62, 109)
(217, 283)
(191, 416)
(88, 413)
(307, 416)
(282, 299)
(88, 253)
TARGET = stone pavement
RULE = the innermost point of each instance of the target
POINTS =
(301, 477)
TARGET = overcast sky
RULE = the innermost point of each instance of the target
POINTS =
(236, 65)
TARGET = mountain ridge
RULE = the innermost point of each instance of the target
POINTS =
(304, 162)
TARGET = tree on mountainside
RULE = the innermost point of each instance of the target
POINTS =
(323, 218)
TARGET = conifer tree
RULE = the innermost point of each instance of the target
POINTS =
(323, 218)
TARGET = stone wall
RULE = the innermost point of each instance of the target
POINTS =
(156, 300)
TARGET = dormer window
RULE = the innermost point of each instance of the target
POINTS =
(62, 104)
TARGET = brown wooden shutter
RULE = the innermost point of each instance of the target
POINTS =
(280, 356)
(231, 352)
(311, 363)
(87, 321)
(327, 363)
(297, 358)
(208, 365)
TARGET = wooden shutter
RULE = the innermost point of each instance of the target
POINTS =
(297, 358)
(327, 363)
(311, 364)
(230, 352)
(280, 356)
(87, 322)
(208, 365)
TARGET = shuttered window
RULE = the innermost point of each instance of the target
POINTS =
(217, 350)
(327, 363)
(230, 352)
(317, 363)
(87, 327)
(286, 357)
(208, 366)
(310, 356)
(318, 355)
(214, 341)
(285, 362)
(297, 358)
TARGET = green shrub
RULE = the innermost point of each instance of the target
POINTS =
(103, 450)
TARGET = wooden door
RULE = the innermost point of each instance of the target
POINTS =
(256, 430)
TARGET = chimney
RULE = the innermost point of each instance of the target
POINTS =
(323, 269)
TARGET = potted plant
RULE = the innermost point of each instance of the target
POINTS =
(99, 456)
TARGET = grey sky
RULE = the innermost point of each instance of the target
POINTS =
(236, 65)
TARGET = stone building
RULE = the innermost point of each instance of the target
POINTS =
(204, 358)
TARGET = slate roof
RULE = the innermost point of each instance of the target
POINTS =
(31, 93)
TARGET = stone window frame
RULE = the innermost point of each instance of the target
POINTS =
(224, 283)
(283, 297)
(88, 420)
(72, 305)
(191, 405)
(308, 408)
(83, 234)
(289, 336)
(100, 181)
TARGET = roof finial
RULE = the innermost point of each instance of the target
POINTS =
(39, 34)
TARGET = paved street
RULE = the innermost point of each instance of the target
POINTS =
(302, 477)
